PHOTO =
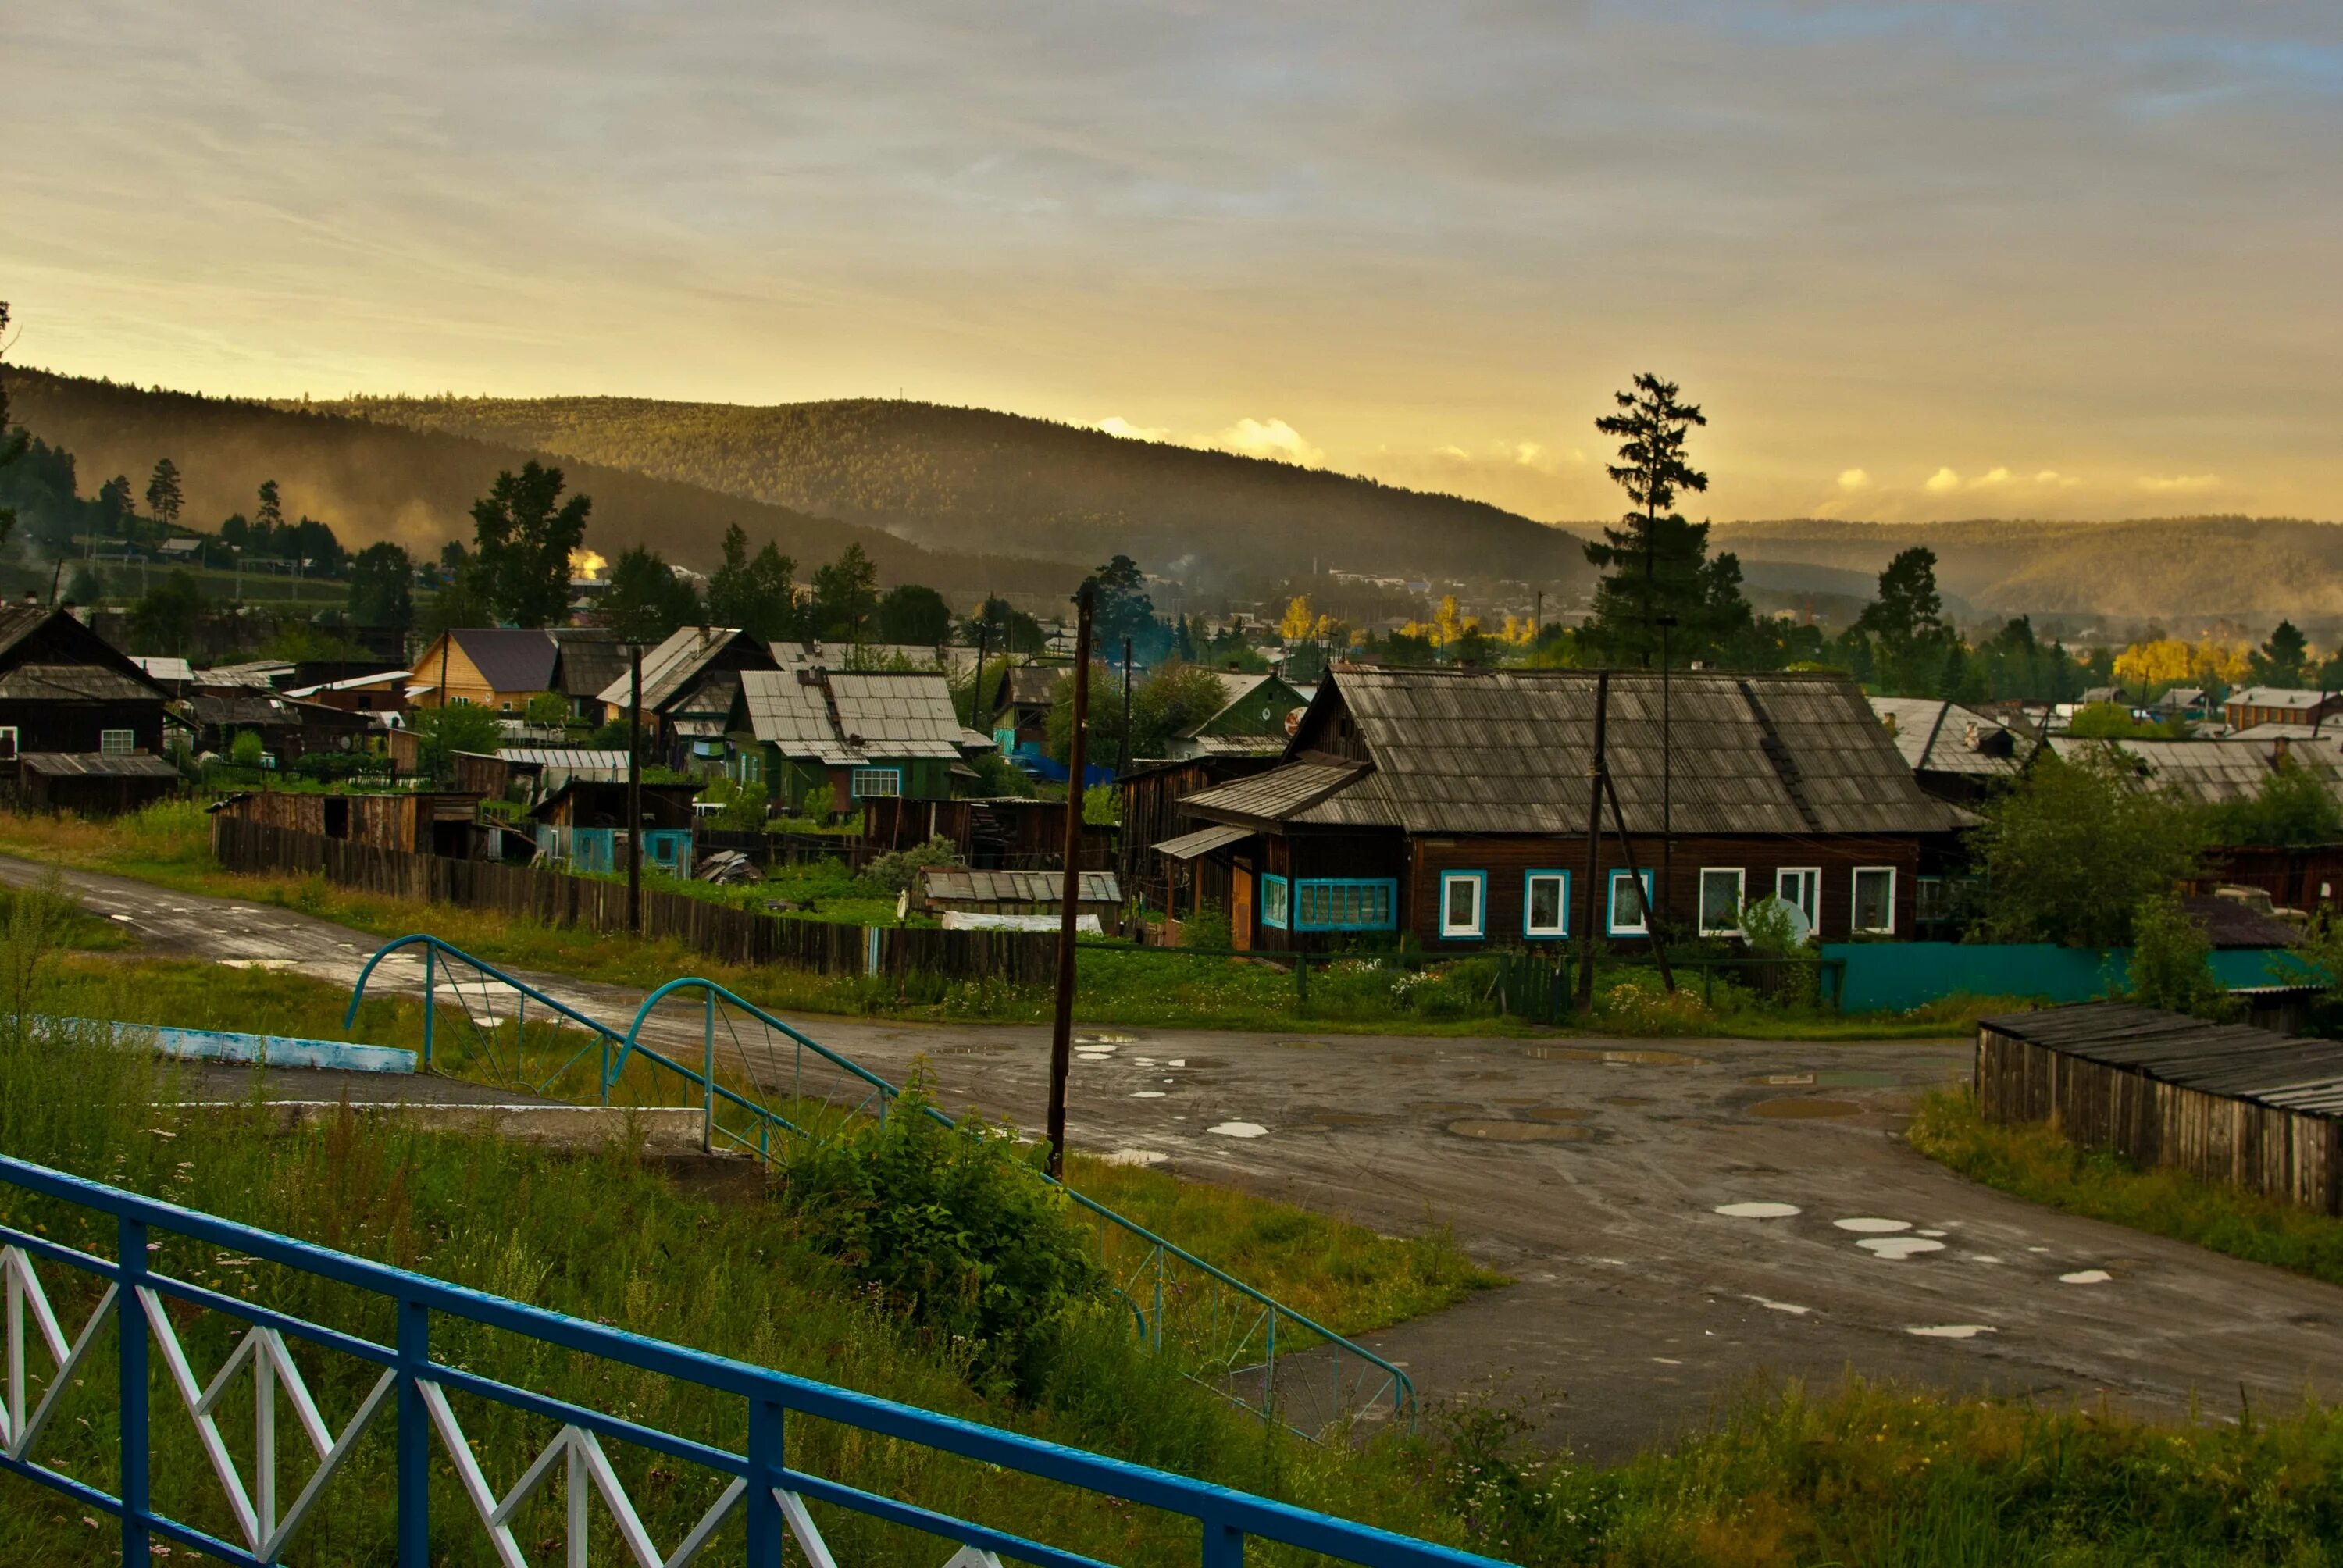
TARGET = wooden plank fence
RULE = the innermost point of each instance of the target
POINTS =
(555, 897)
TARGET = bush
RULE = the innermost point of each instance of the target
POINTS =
(1207, 928)
(247, 749)
(2172, 963)
(954, 1228)
(896, 871)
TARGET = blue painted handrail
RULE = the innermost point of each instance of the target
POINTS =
(413, 1386)
(1148, 1314)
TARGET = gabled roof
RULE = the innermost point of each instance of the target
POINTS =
(2287, 696)
(2210, 772)
(788, 710)
(49, 656)
(1506, 751)
(668, 668)
(586, 660)
(73, 683)
(96, 765)
(897, 715)
(508, 657)
(960, 885)
(1937, 737)
(1035, 684)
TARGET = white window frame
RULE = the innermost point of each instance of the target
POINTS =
(1740, 875)
(1855, 903)
(1479, 881)
(855, 789)
(1611, 924)
(116, 743)
(1561, 928)
(1813, 876)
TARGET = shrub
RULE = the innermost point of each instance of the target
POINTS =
(2171, 962)
(898, 868)
(1207, 928)
(954, 1228)
(247, 749)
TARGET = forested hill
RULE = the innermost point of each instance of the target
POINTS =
(377, 480)
(969, 478)
(2173, 569)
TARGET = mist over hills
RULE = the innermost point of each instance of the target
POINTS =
(971, 479)
(379, 480)
(2181, 571)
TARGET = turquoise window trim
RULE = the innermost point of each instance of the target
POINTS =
(1451, 933)
(1276, 913)
(1562, 931)
(1611, 905)
(1335, 890)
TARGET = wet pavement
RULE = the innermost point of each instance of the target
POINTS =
(1682, 1218)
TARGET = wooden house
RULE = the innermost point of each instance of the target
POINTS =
(494, 666)
(583, 822)
(2250, 705)
(857, 735)
(1254, 719)
(1021, 718)
(81, 725)
(1453, 805)
(288, 728)
(412, 822)
(682, 681)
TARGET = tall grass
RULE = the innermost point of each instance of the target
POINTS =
(2039, 1165)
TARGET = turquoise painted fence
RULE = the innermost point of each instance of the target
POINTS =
(1892, 977)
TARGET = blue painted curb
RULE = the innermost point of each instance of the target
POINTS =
(224, 1045)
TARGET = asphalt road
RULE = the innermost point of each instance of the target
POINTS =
(1595, 1172)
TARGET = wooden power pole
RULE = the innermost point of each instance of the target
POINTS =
(635, 788)
(1062, 1036)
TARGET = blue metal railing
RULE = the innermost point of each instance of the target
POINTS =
(1177, 1300)
(771, 1497)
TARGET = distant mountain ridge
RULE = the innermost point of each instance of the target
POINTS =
(377, 479)
(2174, 569)
(962, 479)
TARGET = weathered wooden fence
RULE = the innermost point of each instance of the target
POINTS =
(719, 930)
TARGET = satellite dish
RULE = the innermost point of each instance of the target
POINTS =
(1781, 909)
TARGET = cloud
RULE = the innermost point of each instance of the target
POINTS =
(1853, 479)
(2164, 483)
(1116, 424)
(1943, 482)
(1274, 438)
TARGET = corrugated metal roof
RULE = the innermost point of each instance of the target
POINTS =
(960, 885)
(2289, 697)
(2233, 1060)
(786, 709)
(161, 667)
(1202, 842)
(1506, 751)
(1937, 737)
(897, 715)
(1036, 683)
(2210, 772)
(668, 666)
(73, 683)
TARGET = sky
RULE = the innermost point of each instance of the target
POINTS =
(1916, 261)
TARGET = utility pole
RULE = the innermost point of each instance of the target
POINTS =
(634, 788)
(1667, 787)
(978, 719)
(1595, 779)
(1123, 750)
(1062, 1036)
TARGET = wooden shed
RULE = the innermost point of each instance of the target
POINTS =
(946, 889)
(410, 822)
(2223, 1102)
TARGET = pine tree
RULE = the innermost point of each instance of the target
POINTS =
(525, 534)
(845, 595)
(163, 497)
(269, 515)
(1655, 565)
(115, 505)
(756, 594)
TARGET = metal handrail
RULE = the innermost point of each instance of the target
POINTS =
(1403, 1387)
(415, 1386)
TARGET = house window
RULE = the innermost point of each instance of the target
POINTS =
(1801, 888)
(1546, 904)
(1276, 908)
(1345, 904)
(1874, 899)
(1720, 899)
(752, 768)
(7, 741)
(884, 783)
(1928, 899)
(1463, 897)
(1631, 897)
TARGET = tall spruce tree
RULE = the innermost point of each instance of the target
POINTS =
(164, 498)
(1655, 566)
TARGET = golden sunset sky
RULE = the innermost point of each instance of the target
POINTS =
(1917, 260)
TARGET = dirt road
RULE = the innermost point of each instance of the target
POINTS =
(1612, 1179)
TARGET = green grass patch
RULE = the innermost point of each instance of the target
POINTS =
(2033, 1163)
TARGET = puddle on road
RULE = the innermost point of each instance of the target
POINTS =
(1106, 1039)
(1899, 1246)
(1758, 1210)
(1781, 1079)
(1497, 1131)
(1856, 1078)
(1800, 1107)
(1612, 1058)
(1951, 1331)
(1871, 1225)
(2086, 1277)
(1238, 1129)
(1558, 1113)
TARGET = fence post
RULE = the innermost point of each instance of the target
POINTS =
(130, 1332)
(1224, 1546)
(708, 1080)
(414, 1437)
(765, 1455)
